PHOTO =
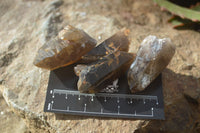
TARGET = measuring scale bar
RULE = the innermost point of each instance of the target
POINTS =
(67, 92)
(98, 104)
(63, 97)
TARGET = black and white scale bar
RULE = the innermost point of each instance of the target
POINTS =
(68, 92)
(63, 97)
(101, 113)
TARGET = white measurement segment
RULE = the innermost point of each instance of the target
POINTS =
(67, 92)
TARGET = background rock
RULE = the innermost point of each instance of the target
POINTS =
(27, 24)
(9, 121)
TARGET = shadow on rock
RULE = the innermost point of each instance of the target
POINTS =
(181, 97)
(182, 112)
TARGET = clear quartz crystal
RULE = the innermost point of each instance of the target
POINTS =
(152, 57)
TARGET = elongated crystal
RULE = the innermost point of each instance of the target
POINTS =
(109, 66)
(118, 41)
(152, 57)
(67, 48)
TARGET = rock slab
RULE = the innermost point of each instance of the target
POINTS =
(27, 25)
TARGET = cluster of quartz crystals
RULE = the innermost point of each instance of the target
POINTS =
(108, 60)
(152, 57)
(97, 64)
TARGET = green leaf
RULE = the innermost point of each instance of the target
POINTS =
(183, 12)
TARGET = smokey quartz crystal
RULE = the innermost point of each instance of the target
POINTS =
(118, 41)
(152, 57)
(65, 49)
(110, 66)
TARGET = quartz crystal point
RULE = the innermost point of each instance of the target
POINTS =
(67, 48)
(152, 57)
(118, 41)
(109, 66)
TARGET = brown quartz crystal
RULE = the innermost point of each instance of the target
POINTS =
(118, 41)
(67, 48)
(152, 57)
(109, 66)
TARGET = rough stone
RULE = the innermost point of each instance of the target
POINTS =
(118, 41)
(152, 58)
(65, 49)
(110, 66)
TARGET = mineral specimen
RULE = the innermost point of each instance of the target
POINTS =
(109, 66)
(68, 47)
(118, 41)
(152, 57)
(79, 68)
